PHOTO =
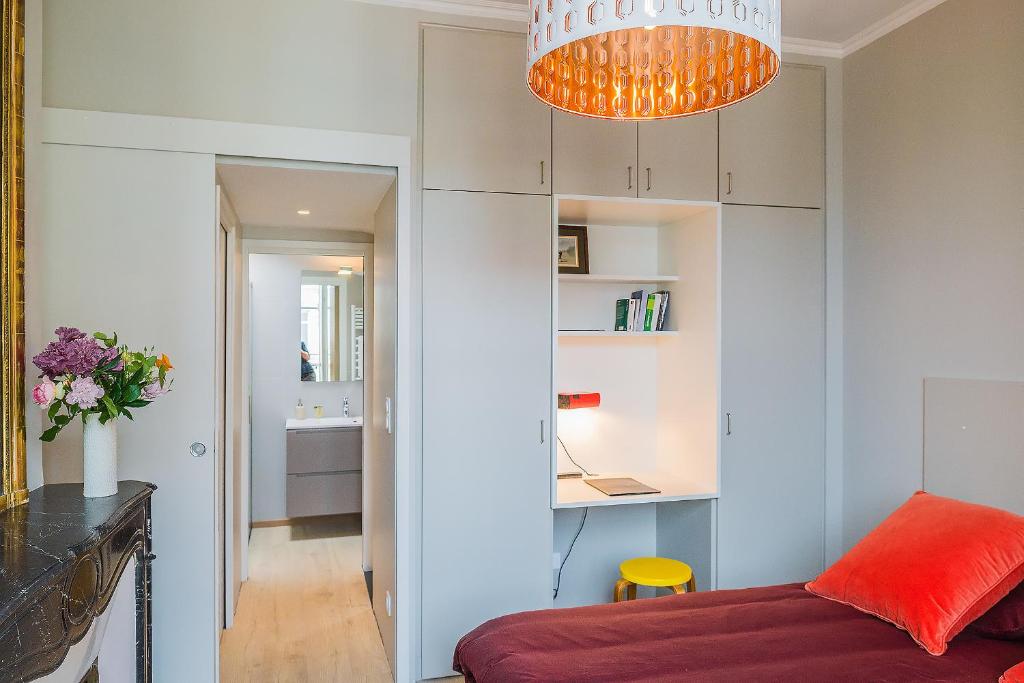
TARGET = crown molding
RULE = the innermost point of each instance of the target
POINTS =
(485, 9)
(518, 11)
(889, 24)
(813, 48)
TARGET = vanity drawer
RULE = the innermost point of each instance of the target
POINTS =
(324, 494)
(325, 450)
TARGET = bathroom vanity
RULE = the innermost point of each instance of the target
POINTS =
(324, 466)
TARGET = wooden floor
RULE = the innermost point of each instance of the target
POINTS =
(304, 615)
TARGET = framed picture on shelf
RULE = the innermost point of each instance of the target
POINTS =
(573, 254)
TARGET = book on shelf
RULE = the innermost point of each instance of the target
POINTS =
(642, 312)
(622, 315)
(639, 297)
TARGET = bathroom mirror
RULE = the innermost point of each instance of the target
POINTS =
(331, 334)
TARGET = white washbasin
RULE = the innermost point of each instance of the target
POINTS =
(323, 422)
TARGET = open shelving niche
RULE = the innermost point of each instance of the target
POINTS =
(658, 420)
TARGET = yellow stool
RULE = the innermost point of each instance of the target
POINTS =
(658, 572)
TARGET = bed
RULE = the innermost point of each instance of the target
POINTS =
(778, 633)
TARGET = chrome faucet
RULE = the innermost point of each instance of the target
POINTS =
(344, 407)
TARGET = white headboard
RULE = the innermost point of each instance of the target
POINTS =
(974, 441)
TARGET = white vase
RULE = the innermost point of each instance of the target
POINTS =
(100, 441)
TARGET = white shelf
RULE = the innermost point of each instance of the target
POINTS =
(622, 279)
(576, 493)
(607, 334)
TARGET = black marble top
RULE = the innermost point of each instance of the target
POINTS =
(42, 538)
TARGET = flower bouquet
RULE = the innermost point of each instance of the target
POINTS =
(96, 379)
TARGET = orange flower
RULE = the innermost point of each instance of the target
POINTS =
(164, 363)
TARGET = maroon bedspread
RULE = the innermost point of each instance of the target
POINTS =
(780, 633)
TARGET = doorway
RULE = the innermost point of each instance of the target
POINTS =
(308, 484)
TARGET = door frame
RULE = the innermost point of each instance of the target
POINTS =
(224, 138)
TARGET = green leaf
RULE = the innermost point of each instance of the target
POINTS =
(127, 414)
(111, 408)
(137, 404)
(61, 420)
(52, 412)
(132, 393)
(50, 434)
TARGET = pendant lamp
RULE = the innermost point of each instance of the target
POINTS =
(638, 60)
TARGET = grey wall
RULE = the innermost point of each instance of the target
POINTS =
(275, 377)
(934, 242)
(330, 64)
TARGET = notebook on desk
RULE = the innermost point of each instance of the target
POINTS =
(621, 487)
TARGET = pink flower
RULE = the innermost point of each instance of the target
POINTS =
(44, 393)
(153, 391)
(85, 393)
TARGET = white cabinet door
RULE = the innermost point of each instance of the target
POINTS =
(678, 159)
(771, 511)
(593, 157)
(487, 525)
(773, 145)
(482, 127)
(145, 223)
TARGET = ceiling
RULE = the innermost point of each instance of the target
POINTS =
(271, 196)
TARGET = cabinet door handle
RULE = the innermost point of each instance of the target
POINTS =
(629, 171)
(648, 178)
(728, 424)
(542, 431)
(728, 177)
(542, 173)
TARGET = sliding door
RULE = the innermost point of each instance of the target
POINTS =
(144, 222)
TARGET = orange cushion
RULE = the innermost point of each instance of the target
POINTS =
(931, 568)
(1014, 675)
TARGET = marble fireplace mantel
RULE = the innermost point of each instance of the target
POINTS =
(61, 558)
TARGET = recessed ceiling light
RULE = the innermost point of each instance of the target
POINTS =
(303, 212)
(345, 270)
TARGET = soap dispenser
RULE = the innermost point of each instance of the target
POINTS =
(300, 411)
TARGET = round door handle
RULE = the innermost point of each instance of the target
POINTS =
(198, 449)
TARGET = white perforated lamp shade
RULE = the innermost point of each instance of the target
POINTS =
(638, 60)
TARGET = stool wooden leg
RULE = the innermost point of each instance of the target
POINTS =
(621, 586)
(678, 589)
(691, 585)
(631, 592)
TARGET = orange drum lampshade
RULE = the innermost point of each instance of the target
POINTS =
(635, 60)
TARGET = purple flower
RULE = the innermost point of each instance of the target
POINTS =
(72, 354)
(85, 393)
(109, 355)
(153, 391)
(66, 334)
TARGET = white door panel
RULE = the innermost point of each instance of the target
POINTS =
(139, 224)
(381, 467)
(487, 526)
(771, 512)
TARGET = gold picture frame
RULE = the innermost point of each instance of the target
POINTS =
(12, 256)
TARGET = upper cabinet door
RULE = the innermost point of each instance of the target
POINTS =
(773, 145)
(482, 128)
(678, 159)
(594, 157)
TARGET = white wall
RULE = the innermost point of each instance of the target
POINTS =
(276, 386)
(934, 233)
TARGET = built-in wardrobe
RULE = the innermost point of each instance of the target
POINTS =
(725, 210)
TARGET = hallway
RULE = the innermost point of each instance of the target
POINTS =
(304, 615)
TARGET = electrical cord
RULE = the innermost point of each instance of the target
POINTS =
(571, 459)
(558, 581)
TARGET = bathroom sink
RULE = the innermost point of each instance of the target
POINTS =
(324, 422)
